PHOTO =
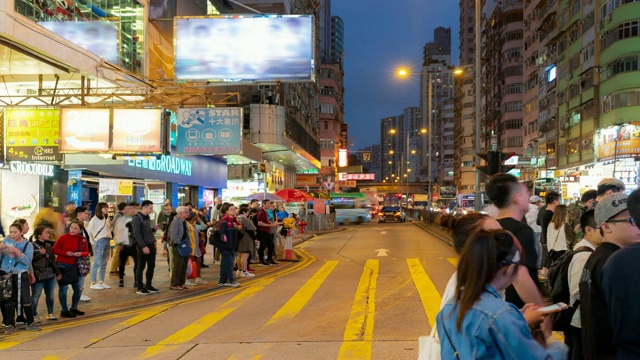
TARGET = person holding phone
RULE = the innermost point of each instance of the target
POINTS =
(479, 323)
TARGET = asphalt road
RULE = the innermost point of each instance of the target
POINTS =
(365, 293)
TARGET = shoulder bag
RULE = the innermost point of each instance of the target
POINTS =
(83, 262)
(429, 346)
(48, 272)
(6, 282)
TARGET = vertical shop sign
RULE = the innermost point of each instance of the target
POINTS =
(343, 136)
(32, 134)
(209, 131)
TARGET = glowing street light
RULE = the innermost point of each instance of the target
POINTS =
(423, 131)
(392, 131)
(402, 72)
(458, 72)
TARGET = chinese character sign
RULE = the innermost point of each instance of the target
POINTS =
(209, 131)
(617, 142)
(358, 177)
(344, 140)
(32, 134)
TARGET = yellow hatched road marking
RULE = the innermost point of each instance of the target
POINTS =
(303, 295)
(356, 343)
(429, 295)
(453, 261)
(189, 332)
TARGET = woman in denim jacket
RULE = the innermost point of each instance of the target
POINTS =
(479, 324)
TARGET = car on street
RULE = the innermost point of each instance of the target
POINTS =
(391, 213)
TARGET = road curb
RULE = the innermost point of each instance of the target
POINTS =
(430, 230)
(183, 295)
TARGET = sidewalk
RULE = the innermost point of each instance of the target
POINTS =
(125, 298)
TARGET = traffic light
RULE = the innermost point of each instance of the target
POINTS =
(494, 162)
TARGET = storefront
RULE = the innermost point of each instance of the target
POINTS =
(238, 190)
(181, 179)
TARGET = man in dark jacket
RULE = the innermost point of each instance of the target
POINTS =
(146, 242)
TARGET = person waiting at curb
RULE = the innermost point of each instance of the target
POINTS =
(100, 236)
(146, 242)
(177, 237)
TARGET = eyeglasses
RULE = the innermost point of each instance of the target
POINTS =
(629, 220)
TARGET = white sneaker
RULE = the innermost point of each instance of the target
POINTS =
(190, 283)
(96, 286)
(234, 284)
(247, 274)
(105, 286)
(85, 298)
(37, 319)
(200, 281)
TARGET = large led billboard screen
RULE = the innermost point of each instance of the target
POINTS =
(244, 48)
(99, 37)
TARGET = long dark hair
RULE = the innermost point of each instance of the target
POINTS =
(486, 252)
(462, 227)
(101, 205)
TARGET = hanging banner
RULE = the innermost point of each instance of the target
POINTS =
(115, 187)
(85, 130)
(209, 131)
(137, 131)
(32, 134)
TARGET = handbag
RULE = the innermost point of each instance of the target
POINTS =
(184, 248)
(70, 275)
(429, 346)
(191, 269)
(6, 282)
(83, 262)
(6, 286)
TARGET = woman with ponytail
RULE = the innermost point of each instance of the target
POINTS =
(479, 324)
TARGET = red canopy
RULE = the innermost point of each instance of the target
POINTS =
(292, 195)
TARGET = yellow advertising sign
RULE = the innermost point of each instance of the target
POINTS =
(617, 142)
(32, 134)
(125, 187)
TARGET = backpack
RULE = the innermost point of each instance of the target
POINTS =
(558, 275)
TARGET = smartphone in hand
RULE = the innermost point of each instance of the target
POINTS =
(553, 308)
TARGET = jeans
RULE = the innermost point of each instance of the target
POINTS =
(77, 291)
(36, 290)
(124, 254)
(100, 259)
(148, 262)
(178, 267)
(226, 266)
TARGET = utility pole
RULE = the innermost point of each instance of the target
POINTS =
(478, 194)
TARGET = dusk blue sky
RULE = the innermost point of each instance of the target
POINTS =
(380, 36)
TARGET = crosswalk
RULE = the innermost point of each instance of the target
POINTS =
(357, 340)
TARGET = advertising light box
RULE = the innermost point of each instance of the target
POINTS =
(244, 48)
(85, 130)
(99, 37)
(209, 131)
(137, 131)
(32, 134)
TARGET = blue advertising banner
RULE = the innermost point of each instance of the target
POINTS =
(209, 131)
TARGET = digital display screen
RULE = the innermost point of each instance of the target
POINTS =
(244, 48)
(99, 37)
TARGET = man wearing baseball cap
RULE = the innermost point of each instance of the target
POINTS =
(621, 284)
(612, 215)
(607, 187)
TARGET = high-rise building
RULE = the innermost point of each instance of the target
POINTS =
(464, 165)
(331, 117)
(325, 24)
(389, 143)
(337, 39)
(502, 77)
(437, 69)
(446, 142)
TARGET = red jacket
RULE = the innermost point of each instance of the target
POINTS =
(68, 242)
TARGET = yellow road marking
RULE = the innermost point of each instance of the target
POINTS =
(429, 295)
(356, 342)
(16, 339)
(295, 304)
(131, 322)
(256, 357)
(189, 332)
(453, 261)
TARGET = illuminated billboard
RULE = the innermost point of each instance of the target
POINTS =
(99, 37)
(137, 131)
(84, 129)
(244, 48)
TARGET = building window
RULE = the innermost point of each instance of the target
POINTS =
(513, 35)
(513, 106)
(327, 109)
(326, 125)
(513, 53)
(512, 71)
(467, 164)
(623, 31)
(514, 88)
(629, 63)
(621, 99)
(511, 124)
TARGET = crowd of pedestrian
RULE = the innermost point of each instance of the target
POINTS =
(495, 305)
(65, 248)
